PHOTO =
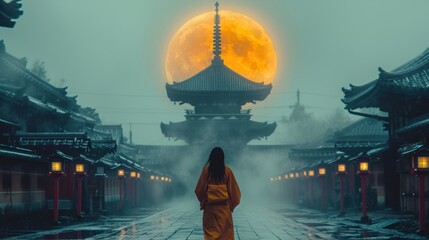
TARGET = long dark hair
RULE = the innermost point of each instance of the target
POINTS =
(216, 164)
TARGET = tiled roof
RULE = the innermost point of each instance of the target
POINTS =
(20, 153)
(362, 128)
(53, 140)
(218, 77)
(409, 79)
(218, 130)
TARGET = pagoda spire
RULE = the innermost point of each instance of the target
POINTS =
(217, 41)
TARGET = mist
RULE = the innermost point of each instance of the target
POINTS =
(116, 65)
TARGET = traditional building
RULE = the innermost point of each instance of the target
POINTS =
(217, 94)
(402, 95)
(9, 11)
(365, 137)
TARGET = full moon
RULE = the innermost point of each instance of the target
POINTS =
(246, 48)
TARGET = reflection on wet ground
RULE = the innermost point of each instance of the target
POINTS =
(347, 227)
(250, 222)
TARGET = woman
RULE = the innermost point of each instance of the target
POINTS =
(218, 193)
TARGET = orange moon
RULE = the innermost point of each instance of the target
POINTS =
(246, 48)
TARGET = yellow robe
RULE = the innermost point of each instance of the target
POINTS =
(217, 218)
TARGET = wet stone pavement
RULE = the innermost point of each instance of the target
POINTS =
(250, 223)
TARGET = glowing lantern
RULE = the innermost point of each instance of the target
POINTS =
(322, 171)
(363, 166)
(152, 177)
(341, 168)
(291, 175)
(56, 167)
(133, 174)
(421, 164)
(121, 173)
(311, 173)
(138, 175)
(304, 173)
(156, 178)
(80, 168)
(296, 174)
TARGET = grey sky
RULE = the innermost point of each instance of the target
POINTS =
(111, 53)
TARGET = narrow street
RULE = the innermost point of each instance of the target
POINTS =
(184, 222)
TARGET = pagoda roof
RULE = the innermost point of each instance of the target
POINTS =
(217, 79)
(216, 130)
(364, 133)
(409, 80)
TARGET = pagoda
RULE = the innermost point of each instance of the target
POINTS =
(217, 94)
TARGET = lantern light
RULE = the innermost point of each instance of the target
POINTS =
(79, 168)
(280, 177)
(311, 173)
(363, 166)
(423, 162)
(291, 175)
(169, 179)
(322, 171)
(162, 178)
(272, 179)
(305, 173)
(56, 167)
(121, 173)
(286, 176)
(341, 168)
(133, 174)
(138, 175)
(152, 177)
(296, 174)
(156, 178)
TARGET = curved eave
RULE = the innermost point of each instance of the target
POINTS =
(361, 96)
(193, 128)
(177, 95)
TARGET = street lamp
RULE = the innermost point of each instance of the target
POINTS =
(310, 187)
(363, 172)
(121, 176)
(420, 165)
(133, 176)
(79, 172)
(56, 170)
(322, 173)
(341, 171)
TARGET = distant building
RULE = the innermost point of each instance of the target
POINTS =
(217, 94)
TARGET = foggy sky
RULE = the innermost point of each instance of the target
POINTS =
(111, 53)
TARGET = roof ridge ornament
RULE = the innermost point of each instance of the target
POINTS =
(217, 40)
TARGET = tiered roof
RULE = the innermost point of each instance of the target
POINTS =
(409, 80)
(217, 83)
(231, 130)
